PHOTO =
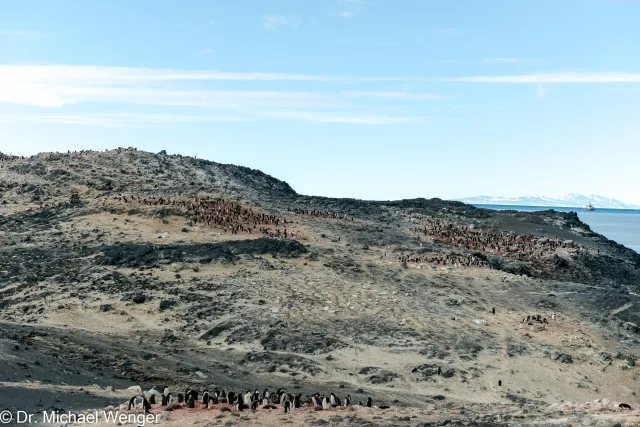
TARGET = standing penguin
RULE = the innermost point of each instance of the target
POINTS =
(240, 404)
(205, 398)
(347, 400)
(166, 399)
(287, 407)
(325, 403)
(332, 400)
(146, 405)
(132, 403)
(296, 401)
(247, 396)
(369, 402)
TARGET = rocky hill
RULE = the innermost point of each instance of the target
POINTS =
(125, 268)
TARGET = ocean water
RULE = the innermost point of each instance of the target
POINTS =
(621, 225)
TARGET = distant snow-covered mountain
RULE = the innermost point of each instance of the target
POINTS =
(569, 201)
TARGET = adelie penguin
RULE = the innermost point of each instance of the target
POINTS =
(287, 407)
(132, 403)
(146, 405)
(347, 400)
(166, 399)
(240, 404)
(296, 401)
(369, 402)
(191, 403)
(205, 398)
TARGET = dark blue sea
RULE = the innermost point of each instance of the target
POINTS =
(621, 225)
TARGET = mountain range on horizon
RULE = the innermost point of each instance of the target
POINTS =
(569, 201)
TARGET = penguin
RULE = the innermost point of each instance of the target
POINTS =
(624, 406)
(152, 399)
(439, 370)
(256, 395)
(493, 311)
(205, 398)
(325, 403)
(190, 402)
(146, 405)
(180, 397)
(132, 402)
(265, 394)
(231, 397)
(332, 400)
(499, 383)
(247, 396)
(166, 399)
(255, 404)
(165, 391)
(282, 397)
(240, 404)
(369, 402)
(287, 407)
(314, 400)
(223, 397)
(347, 400)
(296, 401)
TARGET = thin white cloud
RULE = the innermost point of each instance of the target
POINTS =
(122, 120)
(56, 86)
(117, 120)
(541, 91)
(271, 22)
(22, 33)
(206, 51)
(502, 60)
(395, 95)
(93, 75)
(334, 117)
(350, 8)
(547, 78)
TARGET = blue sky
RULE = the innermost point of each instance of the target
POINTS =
(373, 99)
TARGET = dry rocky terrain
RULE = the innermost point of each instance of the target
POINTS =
(126, 268)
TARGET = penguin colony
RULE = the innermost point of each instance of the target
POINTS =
(249, 400)
(525, 248)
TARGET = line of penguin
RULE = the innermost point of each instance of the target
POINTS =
(242, 401)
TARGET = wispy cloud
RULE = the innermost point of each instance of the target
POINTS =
(207, 51)
(271, 22)
(502, 60)
(59, 87)
(103, 75)
(542, 91)
(117, 120)
(123, 120)
(19, 33)
(561, 77)
(340, 117)
(350, 8)
(395, 95)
